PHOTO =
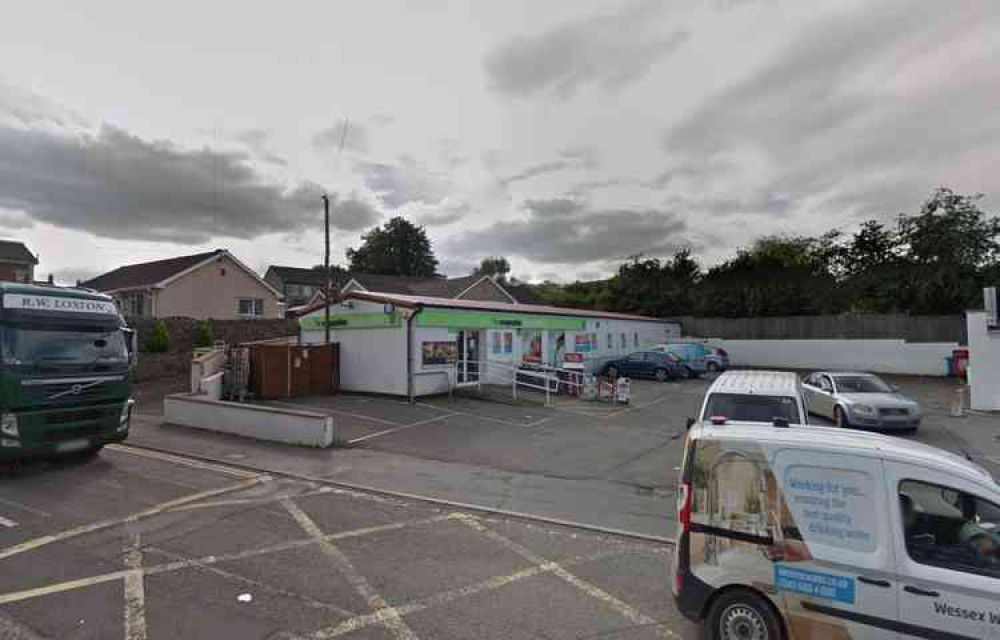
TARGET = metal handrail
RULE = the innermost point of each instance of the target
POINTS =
(547, 377)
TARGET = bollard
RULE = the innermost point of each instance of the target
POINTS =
(958, 402)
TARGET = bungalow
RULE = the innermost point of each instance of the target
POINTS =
(204, 285)
(17, 264)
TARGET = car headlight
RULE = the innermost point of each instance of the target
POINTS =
(126, 413)
(863, 409)
(8, 425)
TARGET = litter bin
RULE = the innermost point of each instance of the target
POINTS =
(949, 363)
(961, 357)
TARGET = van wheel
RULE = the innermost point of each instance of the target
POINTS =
(742, 615)
(840, 418)
(612, 372)
(661, 375)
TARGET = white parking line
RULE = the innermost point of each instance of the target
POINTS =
(400, 428)
(10, 524)
(26, 508)
(111, 522)
(135, 591)
(388, 615)
(309, 407)
(624, 609)
(187, 462)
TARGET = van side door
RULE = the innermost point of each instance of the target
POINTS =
(833, 552)
(947, 538)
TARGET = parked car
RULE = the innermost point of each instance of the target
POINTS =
(716, 360)
(645, 364)
(691, 354)
(755, 397)
(853, 399)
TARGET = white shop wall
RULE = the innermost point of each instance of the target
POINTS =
(617, 338)
(984, 363)
(371, 360)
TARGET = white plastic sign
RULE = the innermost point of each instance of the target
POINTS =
(53, 303)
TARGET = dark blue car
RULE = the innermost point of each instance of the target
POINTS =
(645, 364)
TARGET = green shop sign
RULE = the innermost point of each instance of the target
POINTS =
(461, 319)
(366, 320)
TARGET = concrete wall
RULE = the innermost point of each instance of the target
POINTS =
(879, 356)
(845, 326)
(207, 293)
(263, 423)
(984, 363)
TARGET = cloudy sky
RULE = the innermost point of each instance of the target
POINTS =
(565, 135)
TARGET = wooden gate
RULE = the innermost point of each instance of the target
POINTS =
(288, 371)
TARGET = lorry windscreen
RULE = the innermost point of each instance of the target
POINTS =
(752, 408)
(40, 344)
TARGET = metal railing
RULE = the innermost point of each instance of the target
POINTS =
(542, 378)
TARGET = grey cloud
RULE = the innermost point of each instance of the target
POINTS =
(354, 135)
(584, 157)
(537, 170)
(444, 215)
(27, 108)
(70, 275)
(610, 50)
(116, 185)
(256, 140)
(845, 122)
(382, 119)
(567, 232)
(15, 220)
(404, 182)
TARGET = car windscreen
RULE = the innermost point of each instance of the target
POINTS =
(861, 384)
(752, 408)
(41, 344)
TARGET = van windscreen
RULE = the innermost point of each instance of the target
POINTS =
(752, 408)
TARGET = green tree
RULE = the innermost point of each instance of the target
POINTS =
(398, 248)
(203, 335)
(159, 342)
(495, 266)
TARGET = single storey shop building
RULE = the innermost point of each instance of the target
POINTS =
(415, 346)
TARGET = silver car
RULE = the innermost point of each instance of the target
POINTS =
(860, 400)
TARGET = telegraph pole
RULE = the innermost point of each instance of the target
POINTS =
(326, 267)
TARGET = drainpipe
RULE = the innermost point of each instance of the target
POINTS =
(409, 354)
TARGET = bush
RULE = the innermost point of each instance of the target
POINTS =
(159, 342)
(203, 336)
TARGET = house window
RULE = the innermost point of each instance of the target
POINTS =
(635, 339)
(611, 342)
(623, 342)
(135, 305)
(250, 307)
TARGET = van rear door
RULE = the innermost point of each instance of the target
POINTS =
(947, 539)
(834, 559)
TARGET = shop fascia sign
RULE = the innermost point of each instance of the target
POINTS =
(463, 319)
(363, 320)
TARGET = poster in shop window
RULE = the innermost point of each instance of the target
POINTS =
(439, 353)
(531, 346)
(585, 342)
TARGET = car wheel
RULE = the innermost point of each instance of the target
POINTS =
(661, 375)
(840, 418)
(742, 615)
(612, 372)
(712, 367)
(688, 373)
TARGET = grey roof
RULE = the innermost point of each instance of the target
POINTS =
(298, 275)
(146, 273)
(14, 251)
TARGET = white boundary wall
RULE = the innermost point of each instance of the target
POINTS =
(252, 421)
(877, 356)
(984, 363)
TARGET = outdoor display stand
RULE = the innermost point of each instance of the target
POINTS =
(572, 374)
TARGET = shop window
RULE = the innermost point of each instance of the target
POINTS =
(635, 339)
(611, 342)
(250, 307)
(950, 529)
(623, 342)
(508, 343)
(496, 343)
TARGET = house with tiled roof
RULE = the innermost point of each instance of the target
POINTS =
(206, 285)
(17, 264)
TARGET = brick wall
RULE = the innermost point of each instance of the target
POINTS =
(183, 331)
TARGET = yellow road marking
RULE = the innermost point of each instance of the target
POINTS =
(135, 591)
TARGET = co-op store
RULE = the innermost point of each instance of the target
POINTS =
(416, 346)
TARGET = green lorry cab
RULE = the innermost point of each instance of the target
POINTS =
(66, 365)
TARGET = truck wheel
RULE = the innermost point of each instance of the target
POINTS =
(742, 615)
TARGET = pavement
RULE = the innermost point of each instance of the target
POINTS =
(137, 545)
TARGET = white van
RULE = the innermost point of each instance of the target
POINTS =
(799, 534)
(756, 396)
